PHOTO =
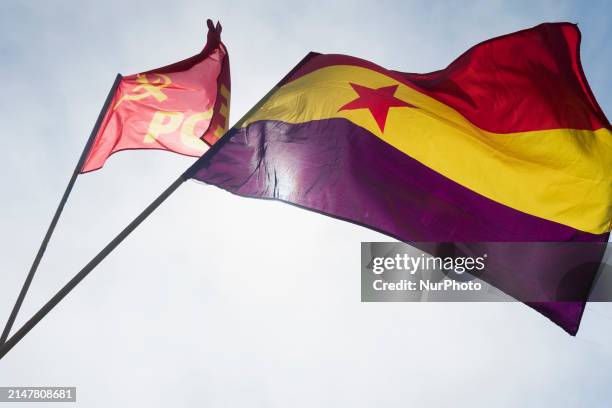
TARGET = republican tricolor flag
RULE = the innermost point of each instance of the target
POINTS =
(182, 108)
(505, 144)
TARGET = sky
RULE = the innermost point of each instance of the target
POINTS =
(222, 301)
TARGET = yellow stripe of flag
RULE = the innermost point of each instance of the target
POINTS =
(562, 175)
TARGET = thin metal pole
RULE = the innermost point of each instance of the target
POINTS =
(10, 343)
(58, 212)
(189, 173)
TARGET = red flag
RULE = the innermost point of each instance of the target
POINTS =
(182, 108)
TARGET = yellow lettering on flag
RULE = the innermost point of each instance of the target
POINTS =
(223, 111)
(188, 135)
(163, 123)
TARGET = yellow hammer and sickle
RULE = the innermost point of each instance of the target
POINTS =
(149, 88)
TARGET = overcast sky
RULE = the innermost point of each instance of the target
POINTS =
(221, 301)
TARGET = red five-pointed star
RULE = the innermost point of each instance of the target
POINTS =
(378, 101)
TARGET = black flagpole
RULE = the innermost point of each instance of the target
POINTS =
(10, 343)
(58, 212)
(34, 320)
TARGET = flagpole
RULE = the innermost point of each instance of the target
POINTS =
(58, 212)
(10, 343)
(188, 174)
(61, 294)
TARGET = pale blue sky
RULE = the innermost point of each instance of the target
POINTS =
(223, 301)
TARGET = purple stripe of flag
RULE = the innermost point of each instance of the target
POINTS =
(340, 169)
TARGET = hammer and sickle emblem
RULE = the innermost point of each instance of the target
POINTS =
(149, 88)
